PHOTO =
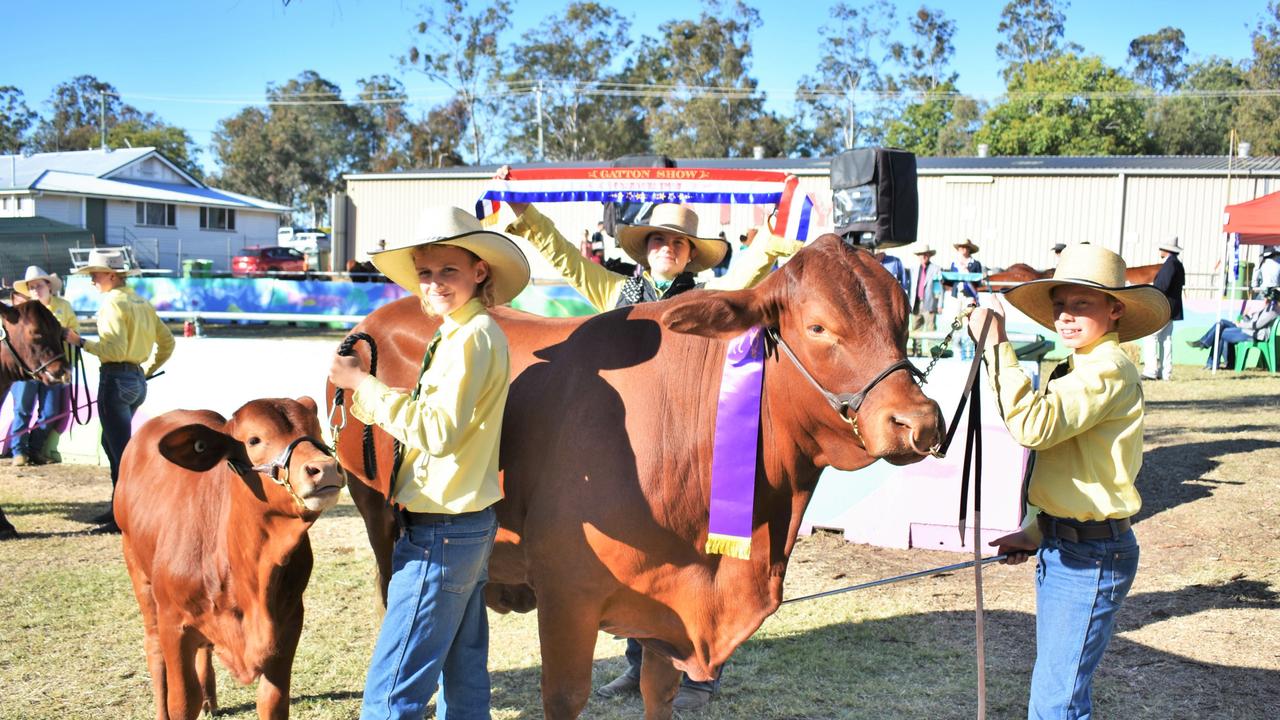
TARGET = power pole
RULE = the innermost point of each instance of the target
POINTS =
(102, 117)
(538, 94)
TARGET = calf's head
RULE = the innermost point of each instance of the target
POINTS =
(31, 343)
(274, 445)
(845, 319)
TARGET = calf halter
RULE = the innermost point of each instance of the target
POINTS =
(33, 374)
(845, 404)
(278, 469)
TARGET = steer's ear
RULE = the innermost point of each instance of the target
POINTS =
(197, 447)
(306, 402)
(715, 314)
(8, 312)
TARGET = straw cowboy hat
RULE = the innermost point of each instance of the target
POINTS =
(966, 244)
(35, 272)
(105, 261)
(451, 226)
(1146, 309)
(678, 219)
(1172, 246)
(924, 249)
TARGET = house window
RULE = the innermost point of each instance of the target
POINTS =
(217, 219)
(156, 214)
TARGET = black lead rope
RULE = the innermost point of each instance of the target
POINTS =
(79, 388)
(973, 436)
(347, 349)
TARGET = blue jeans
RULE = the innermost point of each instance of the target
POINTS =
(635, 658)
(121, 391)
(1079, 588)
(1227, 339)
(26, 394)
(436, 631)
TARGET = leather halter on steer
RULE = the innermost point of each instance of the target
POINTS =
(843, 403)
(33, 374)
(278, 469)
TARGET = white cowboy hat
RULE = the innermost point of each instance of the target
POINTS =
(966, 244)
(35, 272)
(105, 261)
(452, 226)
(1146, 309)
(678, 219)
(1172, 246)
(924, 249)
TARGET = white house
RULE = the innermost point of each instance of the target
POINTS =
(138, 198)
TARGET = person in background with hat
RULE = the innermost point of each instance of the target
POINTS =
(1057, 252)
(128, 330)
(1157, 349)
(450, 426)
(965, 262)
(924, 290)
(1267, 275)
(39, 445)
(667, 249)
(1085, 424)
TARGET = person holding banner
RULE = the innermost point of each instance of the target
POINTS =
(668, 252)
(1085, 424)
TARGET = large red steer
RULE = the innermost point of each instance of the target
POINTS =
(606, 453)
(214, 515)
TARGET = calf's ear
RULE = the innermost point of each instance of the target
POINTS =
(8, 312)
(197, 447)
(307, 402)
(715, 314)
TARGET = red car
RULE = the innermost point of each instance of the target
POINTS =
(260, 260)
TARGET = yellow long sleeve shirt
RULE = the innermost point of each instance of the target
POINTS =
(63, 312)
(128, 327)
(1086, 428)
(451, 432)
(602, 287)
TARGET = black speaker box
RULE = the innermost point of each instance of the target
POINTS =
(874, 201)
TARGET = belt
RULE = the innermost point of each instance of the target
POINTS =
(1078, 530)
(121, 366)
(421, 518)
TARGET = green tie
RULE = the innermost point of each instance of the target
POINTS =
(397, 448)
(426, 362)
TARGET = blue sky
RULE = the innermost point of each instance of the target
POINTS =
(224, 52)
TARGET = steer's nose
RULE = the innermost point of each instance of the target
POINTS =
(924, 428)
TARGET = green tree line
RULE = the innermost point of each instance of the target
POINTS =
(581, 85)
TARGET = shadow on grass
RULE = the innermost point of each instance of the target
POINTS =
(1179, 473)
(923, 665)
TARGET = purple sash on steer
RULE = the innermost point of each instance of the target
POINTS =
(733, 461)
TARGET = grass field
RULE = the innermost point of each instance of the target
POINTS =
(1199, 637)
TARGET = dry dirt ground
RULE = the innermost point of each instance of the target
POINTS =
(1198, 638)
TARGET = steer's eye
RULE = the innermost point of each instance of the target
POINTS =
(254, 440)
(816, 330)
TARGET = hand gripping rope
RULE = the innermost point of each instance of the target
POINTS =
(338, 408)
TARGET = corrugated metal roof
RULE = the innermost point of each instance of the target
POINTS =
(20, 171)
(1012, 165)
(37, 226)
(84, 173)
(74, 184)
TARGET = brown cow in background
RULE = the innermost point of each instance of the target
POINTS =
(606, 455)
(214, 515)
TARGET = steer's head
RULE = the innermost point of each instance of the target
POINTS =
(845, 318)
(32, 348)
(274, 445)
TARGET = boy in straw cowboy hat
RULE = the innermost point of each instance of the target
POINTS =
(450, 426)
(1085, 425)
(40, 444)
(667, 250)
(128, 329)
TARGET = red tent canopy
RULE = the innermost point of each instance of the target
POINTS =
(1257, 221)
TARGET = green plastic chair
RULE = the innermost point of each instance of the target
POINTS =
(1265, 350)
